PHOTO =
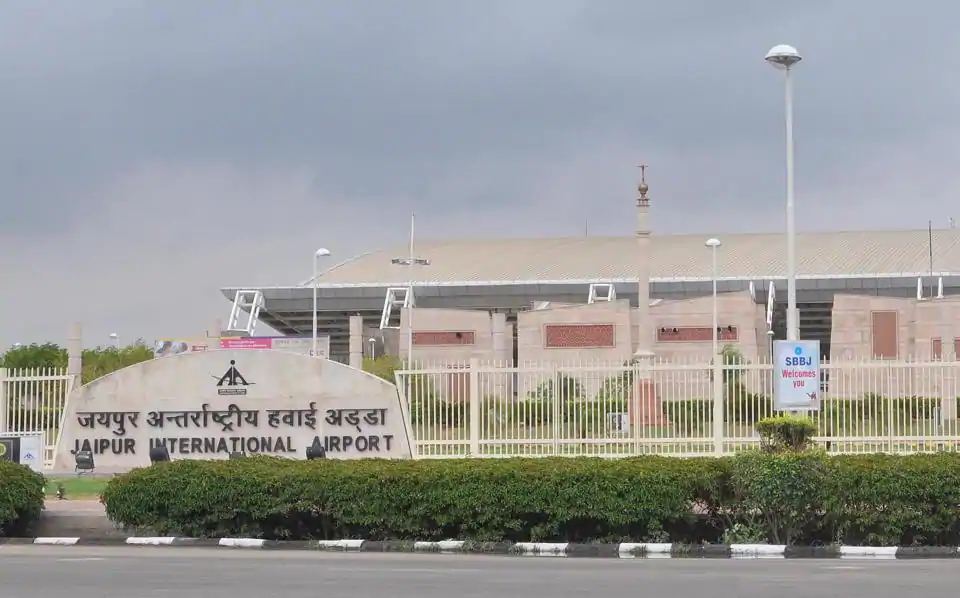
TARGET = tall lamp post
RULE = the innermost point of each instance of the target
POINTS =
(410, 262)
(714, 244)
(785, 58)
(322, 252)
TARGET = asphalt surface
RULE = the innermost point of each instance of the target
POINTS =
(91, 572)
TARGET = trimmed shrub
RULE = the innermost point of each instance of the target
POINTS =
(891, 500)
(478, 499)
(786, 433)
(21, 499)
(803, 497)
(782, 493)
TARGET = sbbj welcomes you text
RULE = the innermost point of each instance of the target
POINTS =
(241, 430)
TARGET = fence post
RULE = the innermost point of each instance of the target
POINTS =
(4, 407)
(718, 432)
(475, 400)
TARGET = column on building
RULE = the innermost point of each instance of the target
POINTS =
(500, 350)
(356, 342)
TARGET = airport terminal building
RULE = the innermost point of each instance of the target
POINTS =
(864, 294)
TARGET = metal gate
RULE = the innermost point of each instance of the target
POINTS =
(32, 400)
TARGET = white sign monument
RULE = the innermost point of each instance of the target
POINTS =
(211, 404)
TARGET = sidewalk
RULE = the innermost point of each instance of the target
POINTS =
(71, 518)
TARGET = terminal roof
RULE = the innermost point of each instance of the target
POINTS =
(845, 254)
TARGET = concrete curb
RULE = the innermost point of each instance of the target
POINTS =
(626, 550)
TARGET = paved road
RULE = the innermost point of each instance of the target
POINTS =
(82, 572)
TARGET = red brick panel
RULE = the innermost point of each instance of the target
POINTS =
(696, 334)
(436, 338)
(886, 342)
(578, 336)
(936, 348)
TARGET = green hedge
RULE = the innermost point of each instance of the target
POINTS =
(21, 499)
(802, 498)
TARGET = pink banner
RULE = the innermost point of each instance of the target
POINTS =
(246, 343)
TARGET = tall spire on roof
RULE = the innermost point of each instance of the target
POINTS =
(642, 198)
(644, 338)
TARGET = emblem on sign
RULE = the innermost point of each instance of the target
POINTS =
(232, 382)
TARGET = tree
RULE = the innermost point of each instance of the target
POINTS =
(382, 367)
(47, 355)
(96, 362)
(104, 360)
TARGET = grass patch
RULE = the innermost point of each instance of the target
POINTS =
(76, 487)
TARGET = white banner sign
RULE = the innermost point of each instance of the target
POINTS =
(796, 371)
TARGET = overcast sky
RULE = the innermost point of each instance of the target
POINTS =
(156, 151)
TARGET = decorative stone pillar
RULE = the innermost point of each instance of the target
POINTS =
(645, 408)
(75, 351)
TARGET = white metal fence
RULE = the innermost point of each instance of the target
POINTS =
(495, 410)
(32, 400)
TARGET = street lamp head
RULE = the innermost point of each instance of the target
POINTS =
(322, 252)
(783, 56)
(712, 243)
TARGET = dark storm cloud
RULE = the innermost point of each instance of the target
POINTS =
(229, 128)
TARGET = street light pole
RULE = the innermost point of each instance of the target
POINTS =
(718, 433)
(793, 326)
(785, 58)
(714, 244)
(322, 252)
(409, 262)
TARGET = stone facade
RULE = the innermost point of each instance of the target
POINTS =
(740, 320)
(597, 335)
(454, 336)
(916, 333)
(603, 332)
(597, 332)
(893, 328)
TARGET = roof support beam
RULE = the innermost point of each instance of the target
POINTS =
(245, 303)
(601, 291)
(396, 298)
